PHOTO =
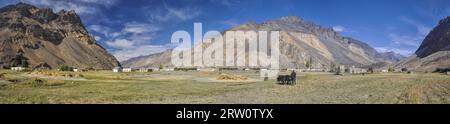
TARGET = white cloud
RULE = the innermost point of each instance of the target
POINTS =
(413, 41)
(132, 40)
(80, 6)
(339, 28)
(168, 13)
(100, 29)
(230, 22)
(421, 29)
(134, 27)
(97, 38)
(120, 44)
(403, 52)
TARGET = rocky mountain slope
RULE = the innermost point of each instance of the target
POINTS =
(300, 42)
(38, 37)
(434, 52)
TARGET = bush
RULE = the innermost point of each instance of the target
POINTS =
(404, 69)
(65, 68)
(390, 69)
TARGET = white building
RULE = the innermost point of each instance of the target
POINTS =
(78, 70)
(144, 70)
(384, 71)
(127, 69)
(117, 69)
(18, 68)
(167, 69)
(154, 68)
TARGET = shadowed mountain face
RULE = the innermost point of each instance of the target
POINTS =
(38, 37)
(434, 52)
(437, 40)
(300, 42)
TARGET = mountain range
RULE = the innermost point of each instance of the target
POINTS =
(38, 37)
(300, 42)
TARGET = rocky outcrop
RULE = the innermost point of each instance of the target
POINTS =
(47, 39)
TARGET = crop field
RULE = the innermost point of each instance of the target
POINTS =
(91, 87)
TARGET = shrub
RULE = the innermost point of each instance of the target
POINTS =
(404, 69)
(65, 68)
(390, 69)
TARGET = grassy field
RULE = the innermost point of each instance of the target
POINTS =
(202, 87)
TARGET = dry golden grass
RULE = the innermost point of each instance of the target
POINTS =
(57, 73)
(231, 77)
(188, 87)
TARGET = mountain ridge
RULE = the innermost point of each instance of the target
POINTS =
(300, 41)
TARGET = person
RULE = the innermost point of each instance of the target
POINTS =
(294, 77)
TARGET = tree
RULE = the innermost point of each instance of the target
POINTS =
(161, 67)
(333, 67)
(19, 60)
(65, 67)
(390, 69)
(370, 70)
(309, 63)
(404, 69)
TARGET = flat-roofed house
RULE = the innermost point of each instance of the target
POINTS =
(127, 70)
(117, 69)
(18, 68)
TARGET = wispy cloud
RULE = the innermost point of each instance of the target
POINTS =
(339, 28)
(133, 33)
(132, 40)
(421, 28)
(230, 22)
(227, 3)
(80, 6)
(100, 29)
(168, 13)
(404, 52)
(411, 40)
(139, 28)
(120, 43)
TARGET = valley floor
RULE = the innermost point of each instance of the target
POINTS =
(202, 87)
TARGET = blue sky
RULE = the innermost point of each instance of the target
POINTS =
(130, 28)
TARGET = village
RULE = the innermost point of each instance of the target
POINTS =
(339, 70)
